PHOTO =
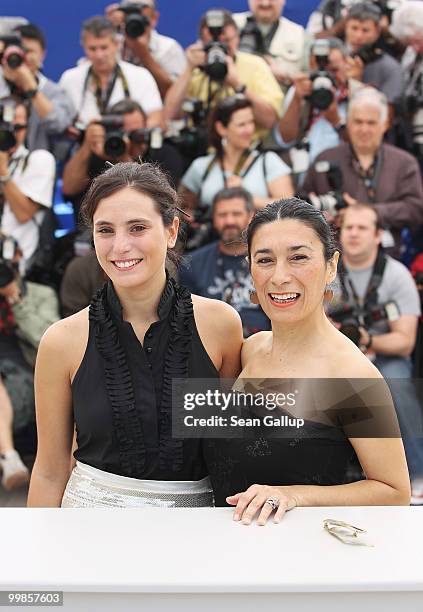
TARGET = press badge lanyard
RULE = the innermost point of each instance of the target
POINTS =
(103, 98)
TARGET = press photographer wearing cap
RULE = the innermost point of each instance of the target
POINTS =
(217, 69)
(100, 82)
(120, 136)
(26, 183)
(51, 109)
(142, 44)
(283, 43)
(367, 170)
(378, 307)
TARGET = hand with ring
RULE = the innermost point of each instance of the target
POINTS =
(262, 500)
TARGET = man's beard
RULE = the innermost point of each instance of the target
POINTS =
(232, 235)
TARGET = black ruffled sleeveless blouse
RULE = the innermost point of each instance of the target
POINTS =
(122, 392)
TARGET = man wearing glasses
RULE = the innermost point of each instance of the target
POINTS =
(26, 183)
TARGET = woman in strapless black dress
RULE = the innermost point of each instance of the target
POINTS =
(108, 369)
(293, 260)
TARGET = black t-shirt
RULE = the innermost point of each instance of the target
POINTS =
(213, 274)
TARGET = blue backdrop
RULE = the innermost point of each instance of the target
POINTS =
(61, 19)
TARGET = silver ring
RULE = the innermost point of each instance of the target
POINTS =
(273, 501)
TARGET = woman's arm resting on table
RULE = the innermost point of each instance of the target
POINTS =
(54, 420)
(383, 461)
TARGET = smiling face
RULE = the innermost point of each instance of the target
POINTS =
(240, 129)
(130, 238)
(289, 270)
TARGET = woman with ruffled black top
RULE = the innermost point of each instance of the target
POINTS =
(108, 370)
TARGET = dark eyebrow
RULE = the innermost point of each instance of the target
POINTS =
(297, 247)
(102, 222)
(292, 248)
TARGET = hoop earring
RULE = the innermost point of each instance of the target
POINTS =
(254, 297)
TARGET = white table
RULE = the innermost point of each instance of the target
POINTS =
(200, 560)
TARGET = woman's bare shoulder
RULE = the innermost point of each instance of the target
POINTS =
(217, 313)
(66, 341)
(255, 344)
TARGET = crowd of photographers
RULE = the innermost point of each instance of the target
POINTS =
(257, 108)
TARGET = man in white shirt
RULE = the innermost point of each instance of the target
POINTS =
(282, 42)
(102, 81)
(26, 187)
(161, 55)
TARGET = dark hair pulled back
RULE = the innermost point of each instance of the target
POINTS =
(294, 208)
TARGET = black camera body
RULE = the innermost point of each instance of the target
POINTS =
(7, 133)
(332, 201)
(216, 66)
(351, 317)
(13, 53)
(251, 39)
(192, 139)
(322, 80)
(115, 144)
(136, 22)
(8, 269)
(413, 107)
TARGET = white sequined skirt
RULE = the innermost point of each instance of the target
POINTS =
(89, 487)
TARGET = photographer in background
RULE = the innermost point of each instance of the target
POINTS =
(368, 63)
(26, 311)
(26, 183)
(142, 45)
(220, 270)
(281, 42)
(330, 17)
(379, 302)
(120, 136)
(217, 69)
(407, 25)
(51, 110)
(315, 107)
(102, 81)
(370, 170)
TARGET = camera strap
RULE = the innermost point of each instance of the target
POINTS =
(370, 297)
(370, 177)
(103, 97)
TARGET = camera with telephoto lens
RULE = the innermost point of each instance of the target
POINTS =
(190, 136)
(8, 269)
(136, 22)
(7, 132)
(216, 66)
(351, 318)
(13, 53)
(332, 201)
(115, 143)
(323, 83)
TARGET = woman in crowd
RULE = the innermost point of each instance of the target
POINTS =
(293, 259)
(236, 162)
(108, 369)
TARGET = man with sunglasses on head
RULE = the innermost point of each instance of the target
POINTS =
(26, 183)
(144, 46)
(51, 109)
